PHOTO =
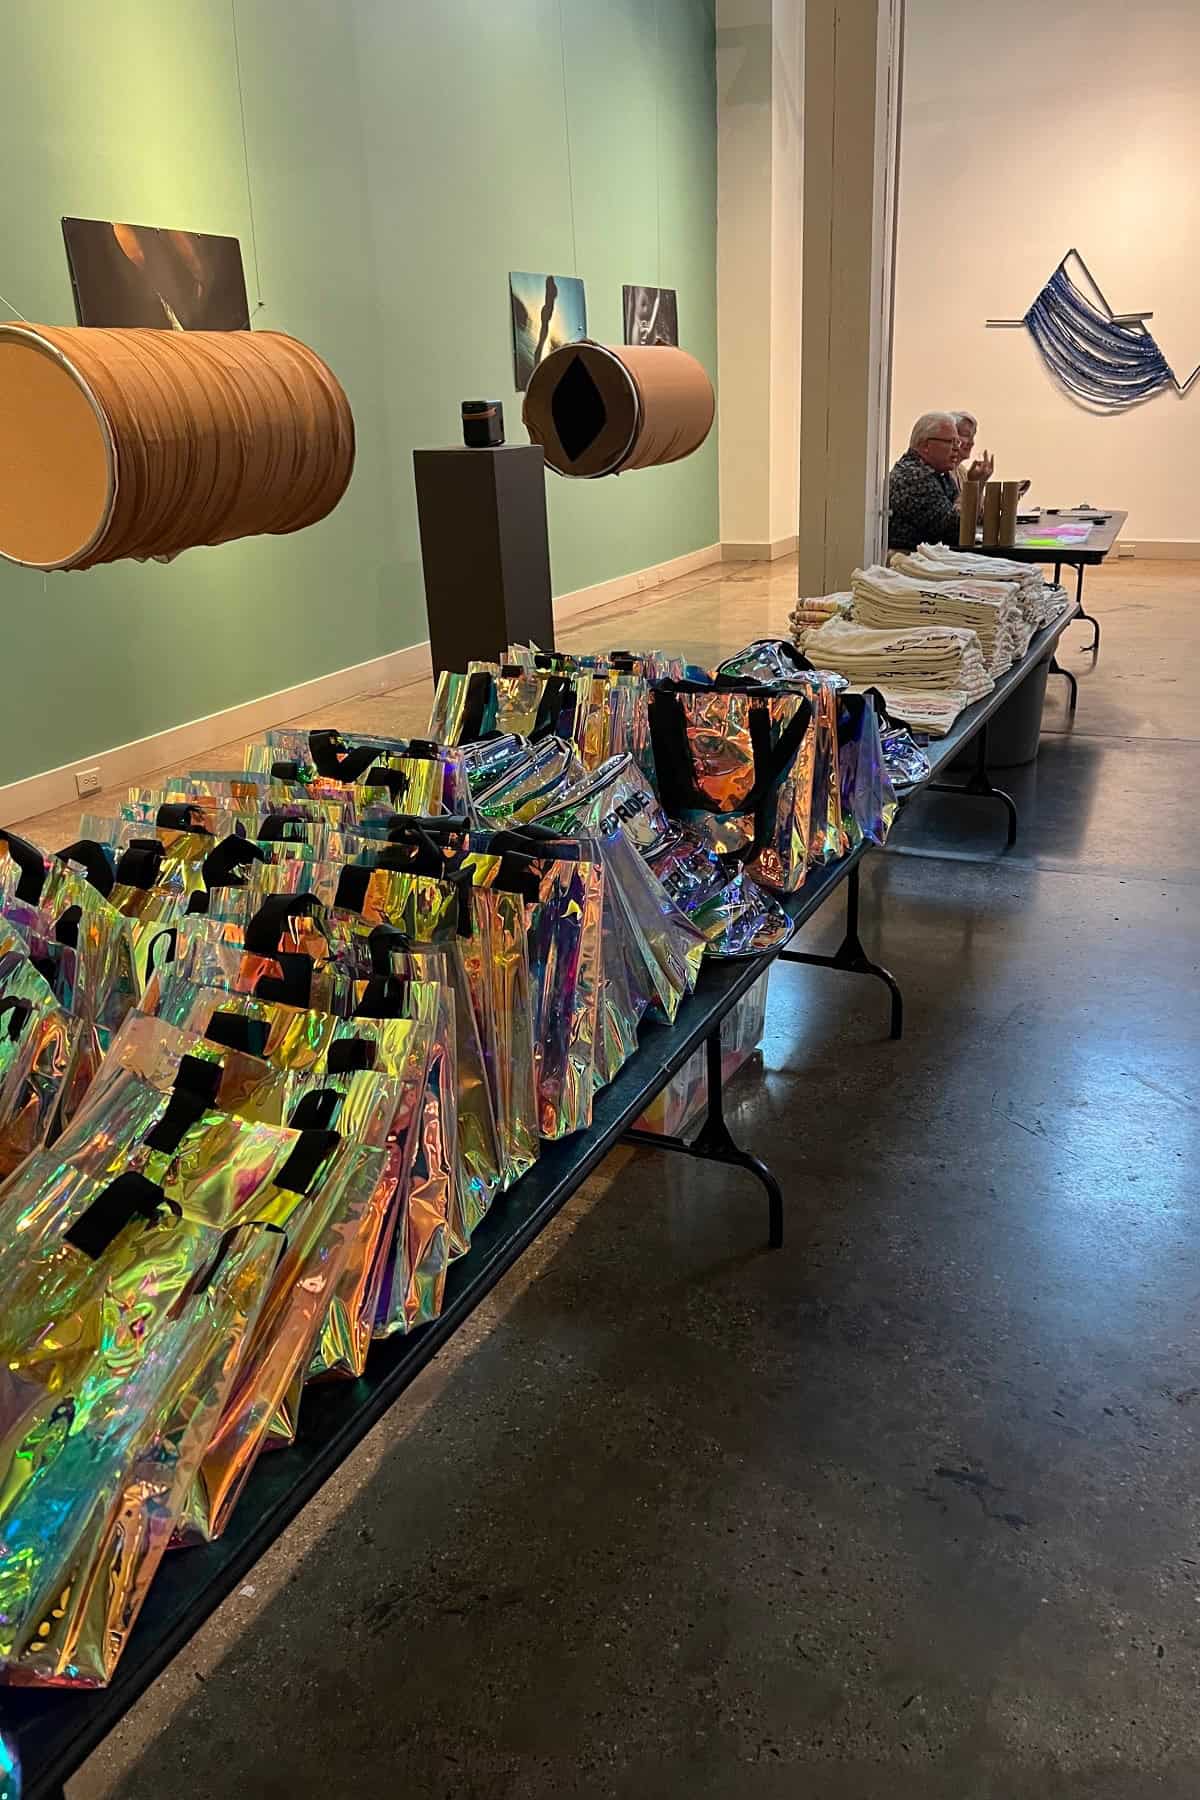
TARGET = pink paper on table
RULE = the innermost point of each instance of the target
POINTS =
(1057, 534)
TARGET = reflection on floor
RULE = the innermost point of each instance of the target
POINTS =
(905, 1509)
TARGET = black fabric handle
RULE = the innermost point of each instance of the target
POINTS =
(774, 760)
(186, 1107)
(336, 760)
(285, 771)
(170, 935)
(199, 1075)
(672, 748)
(140, 863)
(305, 1163)
(32, 864)
(353, 884)
(266, 928)
(852, 709)
(66, 929)
(381, 943)
(127, 1198)
(278, 828)
(316, 1111)
(95, 862)
(383, 997)
(479, 692)
(348, 1054)
(182, 815)
(226, 863)
(292, 986)
(555, 694)
(237, 1031)
(19, 1011)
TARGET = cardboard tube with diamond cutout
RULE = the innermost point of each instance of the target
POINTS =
(602, 409)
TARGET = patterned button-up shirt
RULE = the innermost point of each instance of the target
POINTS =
(922, 505)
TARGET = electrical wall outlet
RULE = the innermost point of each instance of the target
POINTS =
(87, 781)
(1125, 548)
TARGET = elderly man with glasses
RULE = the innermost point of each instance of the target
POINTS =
(922, 493)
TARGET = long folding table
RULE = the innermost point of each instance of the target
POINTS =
(54, 1731)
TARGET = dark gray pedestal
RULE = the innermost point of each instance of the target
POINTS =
(485, 551)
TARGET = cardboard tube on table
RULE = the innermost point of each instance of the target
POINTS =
(601, 409)
(145, 443)
(968, 514)
(991, 513)
(1010, 495)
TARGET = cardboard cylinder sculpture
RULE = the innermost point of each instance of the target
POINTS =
(600, 409)
(1010, 495)
(145, 443)
(968, 513)
(991, 513)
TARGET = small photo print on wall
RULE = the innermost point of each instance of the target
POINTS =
(548, 311)
(139, 275)
(651, 316)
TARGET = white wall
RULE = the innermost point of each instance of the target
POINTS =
(1046, 126)
(759, 198)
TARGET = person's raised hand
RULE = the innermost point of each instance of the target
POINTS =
(981, 468)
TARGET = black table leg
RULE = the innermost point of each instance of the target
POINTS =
(1094, 623)
(979, 785)
(1068, 676)
(714, 1142)
(851, 957)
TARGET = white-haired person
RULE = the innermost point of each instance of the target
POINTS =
(968, 430)
(922, 494)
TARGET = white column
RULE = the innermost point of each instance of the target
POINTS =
(760, 48)
(852, 68)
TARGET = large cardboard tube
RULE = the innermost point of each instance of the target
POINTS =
(1010, 495)
(146, 443)
(600, 409)
(991, 513)
(968, 513)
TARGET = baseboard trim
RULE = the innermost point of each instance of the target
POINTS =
(762, 552)
(1162, 549)
(638, 581)
(126, 764)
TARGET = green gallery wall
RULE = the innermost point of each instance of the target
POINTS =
(398, 158)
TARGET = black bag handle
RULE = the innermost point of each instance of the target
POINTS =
(226, 862)
(95, 862)
(140, 863)
(555, 694)
(182, 815)
(771, 762)
(383, 997)
(66, 929)
(32, 864)
(348, 1054)
(266, 928)
(20, 1010)
(127, 1198)
(293, 984)
(337, 760)
(673, 753)
(170, 933)
(305, 1163)
(317, 1110)
(475, 702)
(381, 942)
(238, 1031)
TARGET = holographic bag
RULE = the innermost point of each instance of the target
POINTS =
(132, 1271)
(725, 756)
(36, 1042)
(399, 1029)
(81, 945)
(663, 950)
(868, 799)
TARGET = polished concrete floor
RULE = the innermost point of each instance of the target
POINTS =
(905, 1511)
